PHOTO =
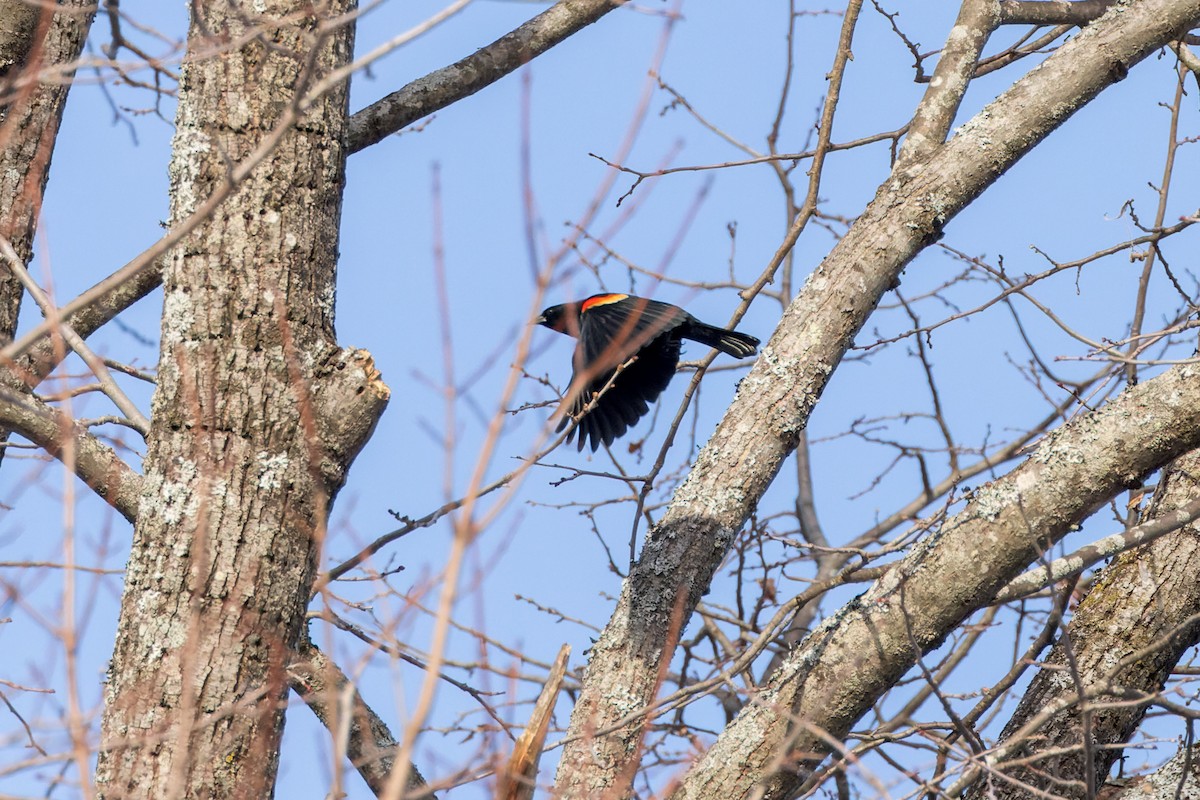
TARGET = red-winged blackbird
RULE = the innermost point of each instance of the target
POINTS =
(614, 328)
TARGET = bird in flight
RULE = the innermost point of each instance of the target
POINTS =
(627, 354)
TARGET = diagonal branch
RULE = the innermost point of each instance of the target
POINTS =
(358, 731)
(137, 420)
(35, 41)
(1134, 607)
(94, 462)
(977, 20)
(467, 76)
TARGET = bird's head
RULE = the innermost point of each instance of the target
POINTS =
(563, 318)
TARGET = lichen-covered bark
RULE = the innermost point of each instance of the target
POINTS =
(1130, 618)
(764, 422)
(1178, 779)
(235, 494)
(847, 663)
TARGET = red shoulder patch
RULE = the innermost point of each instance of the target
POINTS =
(602, 300)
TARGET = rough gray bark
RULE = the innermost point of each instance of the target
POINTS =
(346, 394)
(18, 31)
(1178, 779)
(238, 476)
(772, 407)
(1130, 619)
(1053, 12)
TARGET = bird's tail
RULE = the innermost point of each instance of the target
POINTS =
(733, 343)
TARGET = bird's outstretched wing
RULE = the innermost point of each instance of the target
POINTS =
(612, 330)
(631, 389)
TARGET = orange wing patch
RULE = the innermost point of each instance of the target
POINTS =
(602, 300)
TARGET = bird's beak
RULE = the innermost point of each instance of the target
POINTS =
(541, 320)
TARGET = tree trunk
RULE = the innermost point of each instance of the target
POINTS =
(238, 472)
(32, 42)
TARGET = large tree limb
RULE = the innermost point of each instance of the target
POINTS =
(1052, 12)
(235, 496)
(1136, 603)
(836, 675)
(764, 422)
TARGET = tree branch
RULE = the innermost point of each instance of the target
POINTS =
(93, 462)
(977, 20)
(467, 76)
(33, 41)
(1135, 604)
(363, 734)
(1052, 12)
(1068, 566)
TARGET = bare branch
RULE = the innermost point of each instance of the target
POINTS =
(1005, 526)
(482, 68)
(95, 463)
(977, 19)
(1130, 619)
(1052, 12)
(358, 731)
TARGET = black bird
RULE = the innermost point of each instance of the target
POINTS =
(613, 329)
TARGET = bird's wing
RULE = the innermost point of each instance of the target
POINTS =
(610, 333)
(629, 396)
